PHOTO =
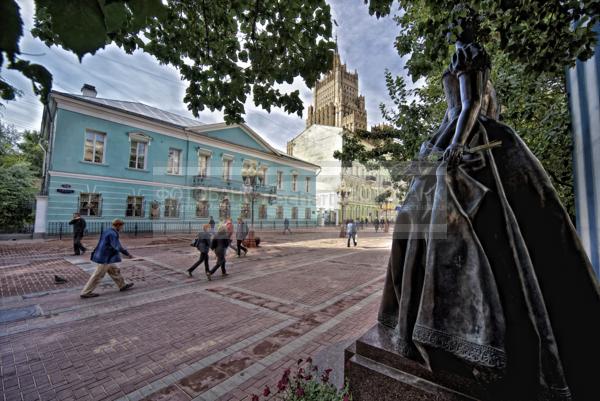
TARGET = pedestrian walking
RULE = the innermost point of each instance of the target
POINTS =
(211, 222)
(78, 224)
(286, 225)
(219, 244)
(202, 243)
(351, 232)
(106, 254)
(240, 235)
(229, 228)
(376, 224)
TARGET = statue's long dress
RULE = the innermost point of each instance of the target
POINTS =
(487, 276)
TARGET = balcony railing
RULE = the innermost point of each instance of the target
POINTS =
(371, 178)
(218, 182)
(387, 183)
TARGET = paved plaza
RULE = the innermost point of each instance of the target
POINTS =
(178, 338)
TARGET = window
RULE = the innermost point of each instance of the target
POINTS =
(135, 206)
(294, 182)
(279, 212)
(307, 182)
(224, 209)
(203, 160)
(202, 208)
(171, 207)
(280, 180)
(94, 146)
(294, 213)
(227, 163)
(262, 175)
(89, 204)
(307, 215)
(245, 210)
(262, 212)
(137, 155)
(173, 162)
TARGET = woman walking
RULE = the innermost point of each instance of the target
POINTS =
(219, 244)
(202, 243)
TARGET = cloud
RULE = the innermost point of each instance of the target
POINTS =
(365, 42)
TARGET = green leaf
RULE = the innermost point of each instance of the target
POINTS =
(143, 11)
(77, 25)
(11, 28)
(116, 15)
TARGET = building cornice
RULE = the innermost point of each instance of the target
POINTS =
(64, 174)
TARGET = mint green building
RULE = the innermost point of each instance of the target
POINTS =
(162, 172)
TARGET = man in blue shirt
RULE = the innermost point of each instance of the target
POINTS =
(106, 254)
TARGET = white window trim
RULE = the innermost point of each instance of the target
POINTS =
(94, 153)
(204, 153)
(265, 169)
(179, 169)
(279, 180)
(294, 183)
(145, 166)
(307, 184)
(142, 206)
(227, 158)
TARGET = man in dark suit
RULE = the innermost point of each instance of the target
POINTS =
(78, 224)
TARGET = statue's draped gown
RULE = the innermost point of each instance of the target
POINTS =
(487, 275)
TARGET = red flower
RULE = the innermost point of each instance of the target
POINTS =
(307, 377)
(286, 373)
(266, 391)
(299, 392)
(325, 375)
(346, 397)
(281, 386)
(309, 360)
(299, 361)
(254, 397)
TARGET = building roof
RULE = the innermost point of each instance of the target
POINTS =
(188, 124)
(140, 109)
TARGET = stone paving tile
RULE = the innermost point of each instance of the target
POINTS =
(125, 345)
(313, 286)
(38, 276)
(125, 349)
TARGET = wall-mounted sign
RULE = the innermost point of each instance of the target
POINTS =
(65, 190)
(65, 186)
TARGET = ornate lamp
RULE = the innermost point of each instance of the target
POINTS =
(344, 193)
(249, 175)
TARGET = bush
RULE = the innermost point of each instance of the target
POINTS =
(305, 385)
(17, 194)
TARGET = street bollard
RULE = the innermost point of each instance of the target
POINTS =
(60, 228)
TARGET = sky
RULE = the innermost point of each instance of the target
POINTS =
(365, 43)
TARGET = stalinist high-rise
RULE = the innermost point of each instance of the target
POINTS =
(336, 101)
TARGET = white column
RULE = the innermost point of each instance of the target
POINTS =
(41, 215)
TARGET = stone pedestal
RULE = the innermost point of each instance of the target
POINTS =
(377, 372)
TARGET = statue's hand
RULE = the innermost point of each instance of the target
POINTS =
(453, 154)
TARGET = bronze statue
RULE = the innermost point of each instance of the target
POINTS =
(487, 276)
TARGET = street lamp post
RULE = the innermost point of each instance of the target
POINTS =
(344, 193)
(250, 175)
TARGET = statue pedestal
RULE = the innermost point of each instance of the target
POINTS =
(377, 372)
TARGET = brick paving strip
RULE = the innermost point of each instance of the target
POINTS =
(95, 308)
(180, 377)
(303, 318)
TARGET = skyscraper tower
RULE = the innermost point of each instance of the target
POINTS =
(336, 100)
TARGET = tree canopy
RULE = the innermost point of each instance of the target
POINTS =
(226, 50)
(543, 36)
(531, 44)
